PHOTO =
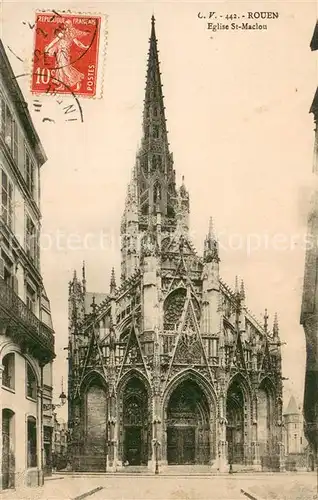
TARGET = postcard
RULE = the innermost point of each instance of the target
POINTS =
(158, 250)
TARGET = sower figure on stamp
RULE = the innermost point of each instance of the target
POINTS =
(60, 47)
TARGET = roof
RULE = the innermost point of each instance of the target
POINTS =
(21, 106)
(292, 408)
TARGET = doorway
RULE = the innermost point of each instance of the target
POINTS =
(132, 445)
(181, 445)
(188, 428)
(135, 423)
(235, 423)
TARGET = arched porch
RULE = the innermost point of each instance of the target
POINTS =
(238, 418)
(188, 430)
(92, 438)
(134, 411)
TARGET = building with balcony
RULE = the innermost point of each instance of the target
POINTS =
(26, 331)
(170, 367)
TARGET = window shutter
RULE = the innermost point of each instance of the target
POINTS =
(8, 128)
(15, 139)
(15, 284)
(1, 268)
(2, 116)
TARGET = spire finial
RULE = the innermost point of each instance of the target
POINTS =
(275, 327)
(211, 248)
(265, 321)
(84, 276)
(153, 20)
(242, 291)
(94, 305)
(112, 281)
(211, 229)
(236, 288)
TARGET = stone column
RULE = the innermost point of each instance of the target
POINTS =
(256, 461)
(115, 461)
(220, 464)
(156, 443)
(281, 447)
(255, 454)
(222, 461)
(112, 445)
(1, 371)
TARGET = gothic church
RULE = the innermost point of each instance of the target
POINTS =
(169, 367)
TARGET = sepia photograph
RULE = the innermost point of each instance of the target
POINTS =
(158, 250)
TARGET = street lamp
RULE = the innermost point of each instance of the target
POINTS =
(62, 398)
(52, 406)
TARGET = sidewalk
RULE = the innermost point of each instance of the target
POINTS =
(55, 488)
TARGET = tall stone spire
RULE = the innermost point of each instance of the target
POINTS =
(154, 110)
(156, 177)
(152, 199)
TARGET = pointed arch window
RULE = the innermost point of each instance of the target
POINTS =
(133, 412)
(157, 164)
(155, 132)
(173, 308)
(144, 164)
(156, 193)
(135, 403)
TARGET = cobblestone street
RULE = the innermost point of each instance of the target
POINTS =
(285, 486)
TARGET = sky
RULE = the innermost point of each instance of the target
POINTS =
(237, 109)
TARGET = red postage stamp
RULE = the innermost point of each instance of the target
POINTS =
(65, 59)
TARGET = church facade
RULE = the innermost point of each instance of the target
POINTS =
(169, 367)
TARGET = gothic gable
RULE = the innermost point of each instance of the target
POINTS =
(94, 358)
(188, 349)
(133, 356)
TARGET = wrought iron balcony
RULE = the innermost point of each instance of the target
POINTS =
(24, 325)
